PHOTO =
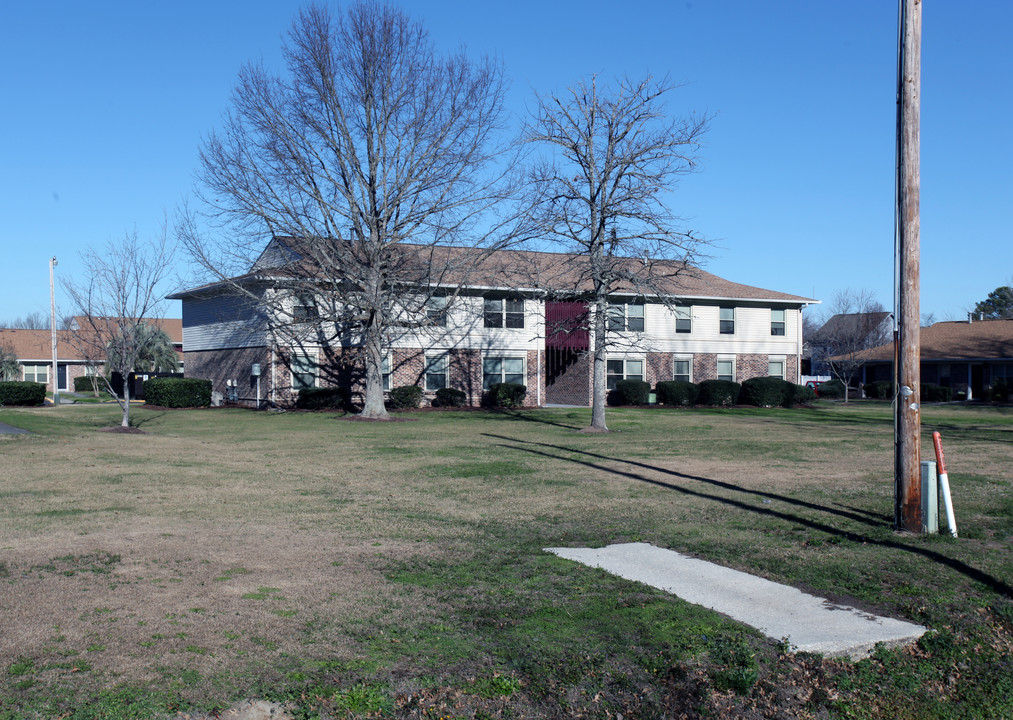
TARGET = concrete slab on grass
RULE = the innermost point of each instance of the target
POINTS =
(810, 623)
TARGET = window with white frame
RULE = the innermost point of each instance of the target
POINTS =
(504, 312)
(775, 367)
(502, 370)
(625, 369)
(626, 317)
(436, 372)
(683, 369)
(385, 371)
(683, 319)
(436, 310)
(305, 309)
(727, 320)
(304, 372)
(726, 369)
(37, 373)
(777, 322)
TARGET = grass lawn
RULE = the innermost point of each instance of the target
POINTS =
(357, 569)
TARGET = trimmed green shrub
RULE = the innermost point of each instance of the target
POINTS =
(676, 392)
(404, 397)
(84, 383)
(20, 392)
(177, 392)
(718, 392)
(630, 392)
(832, 389)
(506, 395)
(766, 392)
(930, 392)
(879, 390)
(322, 398)
(451, 397)
(1001, 390)
(802, 394)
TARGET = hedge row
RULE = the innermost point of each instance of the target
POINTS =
(761, 391)
(325, 398)
(87, 383)
(18, 392)
(177, 392)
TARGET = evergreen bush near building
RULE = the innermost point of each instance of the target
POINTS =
(20, 392)
(718, 393)
(177, 392)
(325, 398)
(506, 395)
(404, 397)
(676, 392)
(451, 397)
(630, 392)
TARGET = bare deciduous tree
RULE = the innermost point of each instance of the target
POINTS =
(374, 155)
(857, 322)
(603, 197)
(120, 293)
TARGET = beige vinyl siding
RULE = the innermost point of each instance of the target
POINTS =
(752, 331)
(465, 329)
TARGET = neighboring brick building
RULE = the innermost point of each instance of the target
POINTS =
(34, 351)
(500, 326)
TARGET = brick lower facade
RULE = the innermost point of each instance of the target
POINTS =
(561, 380)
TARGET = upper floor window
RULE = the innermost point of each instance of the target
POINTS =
(777, 322)
(304, 372)
(436, 372)
(304, 310)
(727, 316)
(683, 319)
(436, 311)
(504, 312)
(616, 370)
(626, 316)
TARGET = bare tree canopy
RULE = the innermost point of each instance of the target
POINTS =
(373, 141)
(857, 322)
(31, 321)
(121, 291)
(616, 155)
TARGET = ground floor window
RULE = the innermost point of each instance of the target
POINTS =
(502, 370)
(726, 369)
(436, 372)
(683, 369)
(616, 370)
(775, 367)
(37, 373)
(304, 372)
(385, 371)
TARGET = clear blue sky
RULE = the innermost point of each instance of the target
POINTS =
(104, 105)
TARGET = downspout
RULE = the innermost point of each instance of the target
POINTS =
(273, 403)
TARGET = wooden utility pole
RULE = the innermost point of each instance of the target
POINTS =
(907, 500)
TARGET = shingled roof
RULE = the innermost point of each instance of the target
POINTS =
(524, 270)
(982, 340)
(37, 345)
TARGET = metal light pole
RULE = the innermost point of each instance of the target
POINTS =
(52, 324)
(907, 466)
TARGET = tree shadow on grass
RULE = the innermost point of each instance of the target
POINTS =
(596, 460)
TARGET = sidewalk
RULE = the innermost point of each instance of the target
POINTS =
(810, 623)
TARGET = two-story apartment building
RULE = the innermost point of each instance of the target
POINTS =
(518, 319)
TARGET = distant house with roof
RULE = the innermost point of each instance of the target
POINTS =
(34, 351)
(967, 356)
(511, 320)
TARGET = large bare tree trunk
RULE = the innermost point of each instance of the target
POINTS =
(598, 384)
